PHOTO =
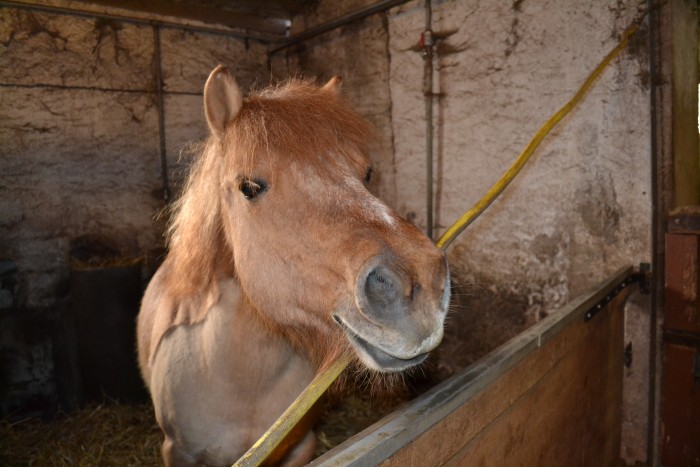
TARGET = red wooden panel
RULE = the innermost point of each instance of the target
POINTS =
(680, 426)
(682, 308)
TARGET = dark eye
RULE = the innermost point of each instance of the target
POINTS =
(368, 176)
(252, 188)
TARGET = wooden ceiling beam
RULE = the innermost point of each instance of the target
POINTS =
(231, 18)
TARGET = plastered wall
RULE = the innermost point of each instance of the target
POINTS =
(579, 210)
(80, 164)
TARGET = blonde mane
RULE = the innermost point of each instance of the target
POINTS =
(296, 120)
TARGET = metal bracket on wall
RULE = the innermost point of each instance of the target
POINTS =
(640, 277)
(628, 355)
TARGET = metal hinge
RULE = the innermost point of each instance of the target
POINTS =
(640, 277)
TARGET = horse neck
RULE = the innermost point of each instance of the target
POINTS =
(235, 327)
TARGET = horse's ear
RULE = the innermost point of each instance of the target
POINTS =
(333, 85)
(222, 100)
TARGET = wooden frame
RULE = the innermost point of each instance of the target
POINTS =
(550, 396)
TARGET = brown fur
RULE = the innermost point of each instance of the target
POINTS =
(314, 267)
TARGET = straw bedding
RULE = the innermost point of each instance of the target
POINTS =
(112, 434)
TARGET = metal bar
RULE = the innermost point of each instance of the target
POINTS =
(223, 31)
(203, 13)
(161, 116)
(660, 206)
(325, 27)
(285, 42)
(72, 87)
(428, 91)
(639, 278)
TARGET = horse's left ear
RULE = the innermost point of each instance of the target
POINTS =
(222, 100)
(333, 85)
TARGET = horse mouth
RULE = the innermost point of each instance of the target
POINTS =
(376, 358)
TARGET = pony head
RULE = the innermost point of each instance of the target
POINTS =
(279, 199)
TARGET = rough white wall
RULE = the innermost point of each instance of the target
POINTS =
(579, 210)
(79, 141)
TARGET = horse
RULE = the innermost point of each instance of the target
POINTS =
(279, 259)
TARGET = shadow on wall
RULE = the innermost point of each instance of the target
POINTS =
(81, 350)
(480, 319)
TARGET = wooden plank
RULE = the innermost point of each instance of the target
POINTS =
(572, 415)
(439, 423)
(685, 220)
(232, 22)
(507, 404)
(682, 281)
(680, 427)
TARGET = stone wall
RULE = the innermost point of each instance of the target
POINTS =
(80, 159)
(79, 126)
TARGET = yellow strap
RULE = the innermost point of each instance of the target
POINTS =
(469, 216)
(277, 432)
(281, 428)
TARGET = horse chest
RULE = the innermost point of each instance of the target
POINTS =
(219, 384)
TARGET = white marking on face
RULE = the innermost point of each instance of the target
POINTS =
(372, 207)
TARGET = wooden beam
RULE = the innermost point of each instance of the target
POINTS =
(206, 14)
(233, 24)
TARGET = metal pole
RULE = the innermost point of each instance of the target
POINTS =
(336, 23)
(161, 115)
(427, 40)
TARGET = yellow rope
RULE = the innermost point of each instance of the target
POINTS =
(281, 428)
(469, 216)
(277, 432)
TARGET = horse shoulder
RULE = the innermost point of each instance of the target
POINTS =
(231, 357)
(161, 311)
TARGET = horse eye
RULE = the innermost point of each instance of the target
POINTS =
(368, 176)
(252, 188)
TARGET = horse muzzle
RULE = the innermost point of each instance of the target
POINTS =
(396, 318)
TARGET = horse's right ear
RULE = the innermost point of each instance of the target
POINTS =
(222, 100)
(333, 85)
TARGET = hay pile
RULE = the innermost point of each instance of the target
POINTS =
(111, 434)
(355, 411)
(105, 434)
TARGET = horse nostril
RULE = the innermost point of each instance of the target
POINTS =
(382, 287)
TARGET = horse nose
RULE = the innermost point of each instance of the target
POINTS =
(382, 294)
